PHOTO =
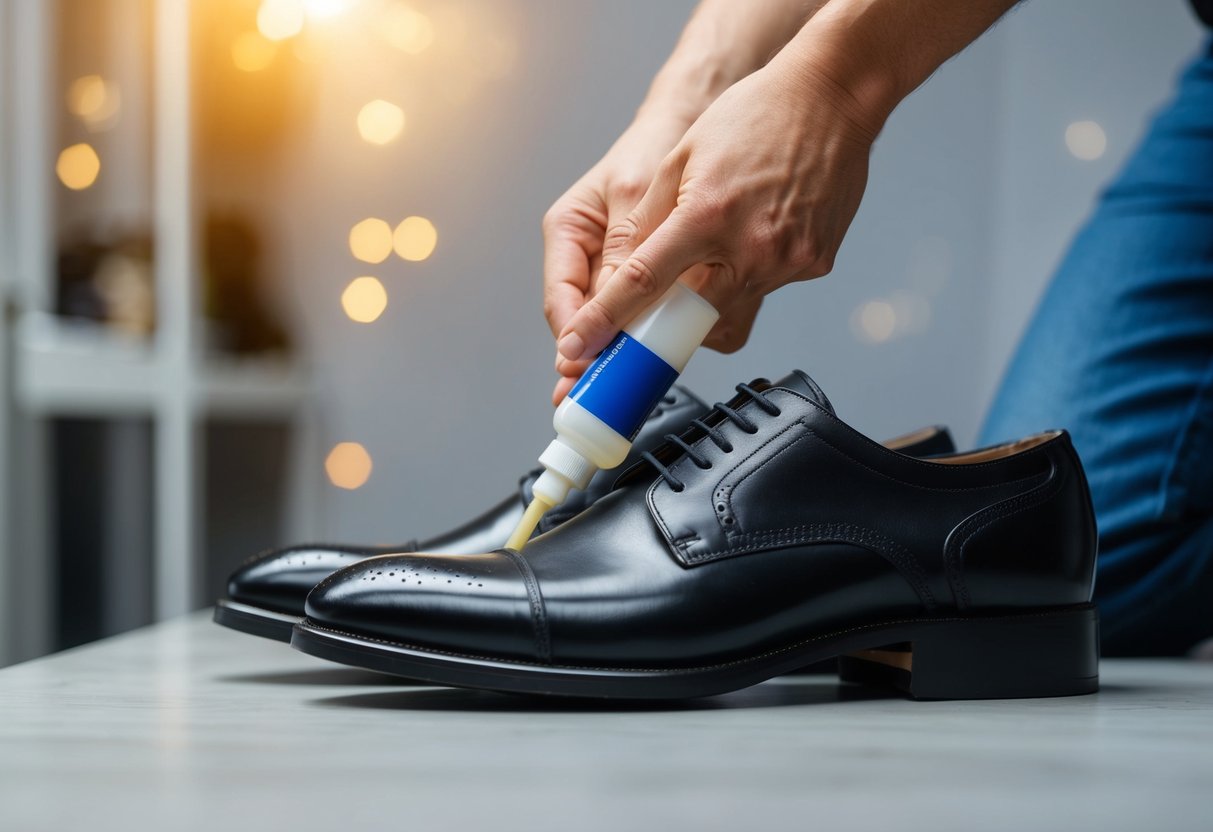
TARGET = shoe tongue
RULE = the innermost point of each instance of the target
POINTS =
(798, 381)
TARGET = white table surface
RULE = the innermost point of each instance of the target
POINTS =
(186, 726)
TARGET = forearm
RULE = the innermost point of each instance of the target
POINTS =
(879, 51)
(724, 41)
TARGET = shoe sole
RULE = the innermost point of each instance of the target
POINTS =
(1032, 654)
(255, 621)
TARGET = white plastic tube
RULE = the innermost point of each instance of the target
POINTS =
(599, 418)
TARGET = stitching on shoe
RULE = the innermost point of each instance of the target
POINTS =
(539, 615)
(756, 542)
(902, 559)
(975, 524)
(728, 496)
(310, 624)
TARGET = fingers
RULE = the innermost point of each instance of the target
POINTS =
(653, 246)
(562, 389)
(572, 240)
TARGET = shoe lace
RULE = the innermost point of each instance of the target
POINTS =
(713, 433)
(667, 400)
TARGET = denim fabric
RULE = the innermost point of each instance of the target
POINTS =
(1120, 352)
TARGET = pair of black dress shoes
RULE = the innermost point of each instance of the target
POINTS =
(758, 536)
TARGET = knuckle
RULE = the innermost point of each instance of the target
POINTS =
(639, 276)
(552, 217)
(629, 189)
(623, 235)
(709, 208)
(821, 264)
(599, 316)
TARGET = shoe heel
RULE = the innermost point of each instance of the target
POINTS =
(1026, 655)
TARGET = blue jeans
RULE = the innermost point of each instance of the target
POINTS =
(1120, 352)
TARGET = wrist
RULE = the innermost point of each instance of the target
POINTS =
(877, 52)
(681, 92)
(866, 89)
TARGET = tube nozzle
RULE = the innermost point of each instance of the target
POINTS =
(526, 526)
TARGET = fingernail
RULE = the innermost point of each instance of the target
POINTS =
(571, 346)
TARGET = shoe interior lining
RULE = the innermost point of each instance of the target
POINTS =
(902, 442)
(997, 451)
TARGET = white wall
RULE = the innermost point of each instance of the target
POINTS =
(972, 197)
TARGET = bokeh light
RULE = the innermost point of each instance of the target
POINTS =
(78, 166)
(415, 239)
(252, 52)
(1086, 140)
(348, 465)
(911, 313)
(371, 240)
(321, 9)
(93, 99)
(280, 19)
(380, 122)
(874, 321)
(364, 299)
(407, 29)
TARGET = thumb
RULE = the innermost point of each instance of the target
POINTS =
(661, 244)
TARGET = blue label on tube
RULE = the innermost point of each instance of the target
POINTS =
(624, 384)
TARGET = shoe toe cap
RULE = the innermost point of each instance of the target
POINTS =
(280, 579)
(470, 604)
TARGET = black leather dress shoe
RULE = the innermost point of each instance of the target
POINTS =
(266, 594)
(772, 537)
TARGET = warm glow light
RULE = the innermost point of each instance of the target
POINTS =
(499, 57)
(380, 122)
(875, 321)
(280, 19)
(407, 29)
(415, 238)
(348, 465)
(93, 99)
(911, 313)
(1086, 140)
(364, 299)
(325, 8)
(251, 52)
(371, 240)
(78, 166)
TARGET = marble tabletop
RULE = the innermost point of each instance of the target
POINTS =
(186, 725)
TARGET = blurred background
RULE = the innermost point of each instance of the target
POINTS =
(270, 269)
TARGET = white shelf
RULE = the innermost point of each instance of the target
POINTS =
(65, 367)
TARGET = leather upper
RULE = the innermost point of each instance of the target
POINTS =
(802, 526)
(280, 579)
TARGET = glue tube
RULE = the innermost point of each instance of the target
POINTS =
(601, 415)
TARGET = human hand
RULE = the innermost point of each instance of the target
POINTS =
(575, 226)
(758, 193)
